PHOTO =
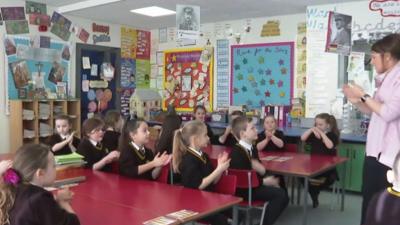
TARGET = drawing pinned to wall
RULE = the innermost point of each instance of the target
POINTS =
(60, 26)
(163, 35)
(13, 13)
(187, 82)
(39, 19)
(17, 27)
(271, 28)
(35, 8)
(81, 33)
(339, 33)
(262, 74)
(188, 21)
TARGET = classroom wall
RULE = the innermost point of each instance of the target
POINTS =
(85, 23)
(220, 30)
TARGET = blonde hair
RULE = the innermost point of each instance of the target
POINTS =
(28, 159)
(239, 124)
(182, 141)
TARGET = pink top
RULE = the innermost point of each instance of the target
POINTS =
(384, 128)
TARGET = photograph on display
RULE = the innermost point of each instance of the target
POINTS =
(35, 8)
(9, 45)
(20, 73)
(339, 33)
(39, 19)
(188, 21)
(61, 26)
(56, 73)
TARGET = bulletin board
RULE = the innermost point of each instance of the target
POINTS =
(188, 79)
(262, 74)
(37, 67)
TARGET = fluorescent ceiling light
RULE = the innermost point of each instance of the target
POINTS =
(153, 11)
(83, 5)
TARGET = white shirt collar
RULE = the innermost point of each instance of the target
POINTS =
(94, 143)
(199, 153)
(64, 136)
(246, 145)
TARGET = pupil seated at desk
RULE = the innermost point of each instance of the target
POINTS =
(323, 137)
(194, 165)
(244, 156)
(136, 161)
(23, 197)
(97, 156)
(113, 124)
(200, 115)
(227, 138)
(64, 141)
(271, 139)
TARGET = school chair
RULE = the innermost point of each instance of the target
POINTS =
(163, 177)
(292, 180)
(226, 185)
(247, 179)
(115, 167)
(290, 147)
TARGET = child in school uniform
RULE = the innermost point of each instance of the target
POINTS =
(244, 156)
(23, 197)
(136, 161)
(194, 165)
(227, 137)
(113, 124)
(323, 138)
(169, 126)
(384, 207)
(64, 141)
(97, 156)
(200, 115)
(271, 139)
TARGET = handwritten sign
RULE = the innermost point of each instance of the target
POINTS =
(387, 8)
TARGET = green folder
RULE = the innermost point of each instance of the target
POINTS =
(69, 158)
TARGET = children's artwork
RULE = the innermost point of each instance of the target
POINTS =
(35, 8)
(9, 46)
(271, 28)
(85, 62)
(143, 44)
(37, 70)
(128, 71)
(128, 43)
(61, 89)
(83, 35)
(339, 33)
(206, 55)
(13, 13)
(39, 19)
(56, 73)
(17, 27)
(187, 82)
(94, 70)
(20, 73)
(61, 26)
(142, 73)
(261, 74)
(107, 71)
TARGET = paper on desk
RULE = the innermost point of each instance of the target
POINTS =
(269, 158)
(182, 214)
(162, 220)
(283, 158)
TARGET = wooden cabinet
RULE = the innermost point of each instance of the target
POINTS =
(32, 121)
(354, 168)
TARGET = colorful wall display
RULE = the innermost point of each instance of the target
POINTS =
(262, 74)
(143, 44)
(35, 71)
(187, 82)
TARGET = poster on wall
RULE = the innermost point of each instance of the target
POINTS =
(36, 76)
(339, 33)
(143, 44)
(35, 8)
(301, 52)
(262, 74)
(13, 13)
(17, 27)
(143, 73)
(60, 26)
(128, 73)
(128, 43)
(188, 21)
(187, 82)
(222, 62)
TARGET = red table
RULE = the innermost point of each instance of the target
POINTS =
(135, 201)
(299, 165)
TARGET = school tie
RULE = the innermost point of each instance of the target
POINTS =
(143, 151)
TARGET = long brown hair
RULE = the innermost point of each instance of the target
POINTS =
(331, 120)
(182, 140)
(170, 124)
(90, 124)
(130, 126)
(111, 120)
(28, 159)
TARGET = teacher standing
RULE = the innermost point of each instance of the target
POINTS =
(383, 139)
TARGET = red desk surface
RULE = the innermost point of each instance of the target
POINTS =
(153, 198)
(300, 164)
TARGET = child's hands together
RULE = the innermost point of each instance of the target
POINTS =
(223, 161)
(161, 160)
(112, 156)
(316, 132)
(64, 195)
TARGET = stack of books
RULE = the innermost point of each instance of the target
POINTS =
(29, 133)
(45, 130)
(28, 114)
(44, 111)
(73, 158)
